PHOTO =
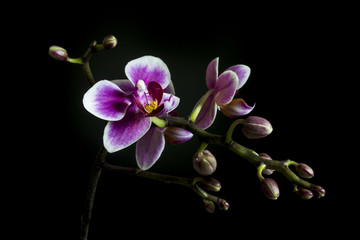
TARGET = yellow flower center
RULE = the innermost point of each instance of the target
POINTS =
(151, 107)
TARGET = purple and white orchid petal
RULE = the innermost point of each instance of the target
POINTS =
(170, 102)
(175, 135)
(236, 108)
(243, 73)
(121, 134)
(207, 113)
(226, 87)
(107, 101)
(212, 73)
(149, 69)
(125, 85)
(149, 148)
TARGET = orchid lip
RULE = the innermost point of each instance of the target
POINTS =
(148, 98)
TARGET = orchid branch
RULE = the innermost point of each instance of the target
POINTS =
(250, 155)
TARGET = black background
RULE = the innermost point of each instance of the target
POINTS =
(296, 56)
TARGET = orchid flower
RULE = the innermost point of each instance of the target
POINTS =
(220, 95)
(129, 106)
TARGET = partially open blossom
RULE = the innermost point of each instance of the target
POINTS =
(175, 135)
(128, 105)
(256, 127)
(204, 163)
(222, 90)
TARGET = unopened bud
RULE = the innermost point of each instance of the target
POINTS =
(270, 188)
(223, 205)
(58, 53)
(256, 127)
(204, 163)
(320, 192)
(266, 171)
(305, 193)
(109, 42)
(211, 184)
(304, 170)
(209, 206)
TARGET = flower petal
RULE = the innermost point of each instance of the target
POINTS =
(243, 73)
(236, 108)
(125, 85)
(212, 73)
(149, 148)
(121, 134)
(107, 101)
(175, 135)
(207, 113)
(226, 87)
(170, 88)
(148, 69)
(170, 103)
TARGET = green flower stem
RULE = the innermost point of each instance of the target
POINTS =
(260, 169)
(202, 147)
(75, 60)
(229, 133)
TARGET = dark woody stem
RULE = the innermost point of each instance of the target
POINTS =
(85, 65)
(101, 164)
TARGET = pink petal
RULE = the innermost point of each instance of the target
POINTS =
(226, 87)
(236, 108)
(121, 134)
(149, 69)
(107, 101)
(149, 148)
(243, 73)
(207, 113)
(175, 135)
(212, 73)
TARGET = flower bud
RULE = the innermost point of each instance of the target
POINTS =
(211, 184)
(319, 192)
(304, 170)
(256, 127)
(58, 53)
(209, 206)
(204, 163)
(175, 135)
(270, 188)
(305, 193)
(223, 205)
(266, 171)
(109, 42)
